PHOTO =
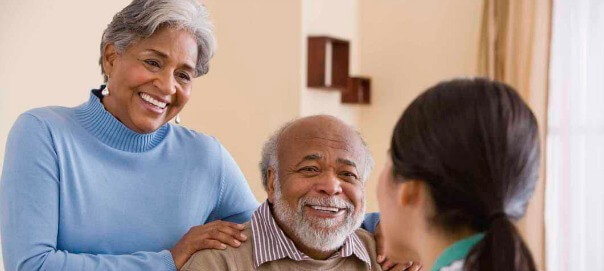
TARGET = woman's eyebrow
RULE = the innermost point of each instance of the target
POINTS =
(163, 55)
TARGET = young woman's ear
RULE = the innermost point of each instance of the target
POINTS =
(410, 193)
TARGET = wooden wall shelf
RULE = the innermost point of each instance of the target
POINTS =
(327, 62)
(358, 91)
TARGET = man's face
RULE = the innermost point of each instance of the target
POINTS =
(318, 190)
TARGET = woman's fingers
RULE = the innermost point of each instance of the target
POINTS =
(213, 244)
(387, 264)
(235, 233)
(214, 235)
(220, 223)
(225, 238)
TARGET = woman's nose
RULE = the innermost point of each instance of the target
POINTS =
(166, 83)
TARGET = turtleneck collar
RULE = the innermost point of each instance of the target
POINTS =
(100, 123)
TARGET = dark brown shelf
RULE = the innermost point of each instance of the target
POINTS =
(318, 63)
(358, 91)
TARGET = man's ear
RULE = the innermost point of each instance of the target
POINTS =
(270, 184)
(109, 57)
(410, 193)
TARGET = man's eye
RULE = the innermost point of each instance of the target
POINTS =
(309, 169)
(349, 175)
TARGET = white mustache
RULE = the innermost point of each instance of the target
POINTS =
(326, 201)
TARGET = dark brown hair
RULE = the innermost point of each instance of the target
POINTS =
(475, 144)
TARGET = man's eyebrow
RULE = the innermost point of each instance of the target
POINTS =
(346, 162)
(310, 157)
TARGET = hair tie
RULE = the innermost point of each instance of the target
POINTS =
(496, 215)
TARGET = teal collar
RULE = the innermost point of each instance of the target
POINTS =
(457, 251)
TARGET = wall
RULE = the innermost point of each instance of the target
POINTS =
(339, 19)
(254, 79)
(405, 47)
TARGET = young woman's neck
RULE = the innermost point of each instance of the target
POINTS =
(432, 243)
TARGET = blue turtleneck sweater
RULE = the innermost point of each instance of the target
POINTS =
(80, 191)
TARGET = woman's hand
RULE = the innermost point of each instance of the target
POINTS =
(216, 234)
(387, 263)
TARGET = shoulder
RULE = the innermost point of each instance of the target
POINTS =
(42, 123)
(367, 239)
(369, 242)
(195, 140)
(223, 259)
(50, 116)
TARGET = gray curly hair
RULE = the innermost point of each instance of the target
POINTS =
(141, 18)
(270, 159)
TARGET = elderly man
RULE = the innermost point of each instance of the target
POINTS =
(314, 170)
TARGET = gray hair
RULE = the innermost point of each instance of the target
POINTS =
(141, 18)
(270, 159)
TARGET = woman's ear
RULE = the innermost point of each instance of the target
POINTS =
(410, 193)
(270, 184)
(109, 57)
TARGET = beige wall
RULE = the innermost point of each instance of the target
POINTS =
(339, 19)
(407, 46)
(254, 79)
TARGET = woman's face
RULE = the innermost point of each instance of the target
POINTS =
(396, 220)
(151, 81)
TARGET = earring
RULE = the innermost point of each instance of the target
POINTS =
(177, 119)
(105, 91)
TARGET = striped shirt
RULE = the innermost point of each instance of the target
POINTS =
(270, 242)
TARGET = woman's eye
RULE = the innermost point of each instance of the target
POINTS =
(184, 76)
(153, 63)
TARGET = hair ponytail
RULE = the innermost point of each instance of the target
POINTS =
(475, 144)
(501, 249)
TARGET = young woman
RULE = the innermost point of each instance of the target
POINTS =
(462, 166)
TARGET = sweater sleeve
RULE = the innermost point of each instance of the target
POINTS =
(29, 210)
(236, 203)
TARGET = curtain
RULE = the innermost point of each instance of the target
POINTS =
(514, 48)
(575, 157)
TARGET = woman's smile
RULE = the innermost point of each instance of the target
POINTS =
(152, 104)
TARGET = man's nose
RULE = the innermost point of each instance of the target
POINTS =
(329, 184)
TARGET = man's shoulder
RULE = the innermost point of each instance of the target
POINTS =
(230, 258)
(369, 241)
(367, 238)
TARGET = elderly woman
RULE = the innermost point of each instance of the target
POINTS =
(462, 167)
(110, 184)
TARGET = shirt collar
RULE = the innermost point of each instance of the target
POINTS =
(457, 251)
(270, 242)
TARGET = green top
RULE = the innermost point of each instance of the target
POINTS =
(457, 251)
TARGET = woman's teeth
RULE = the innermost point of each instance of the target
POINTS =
(152, 101)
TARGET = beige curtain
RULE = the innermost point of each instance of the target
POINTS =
(514, 48)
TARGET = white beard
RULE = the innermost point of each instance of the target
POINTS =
(318, 233)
